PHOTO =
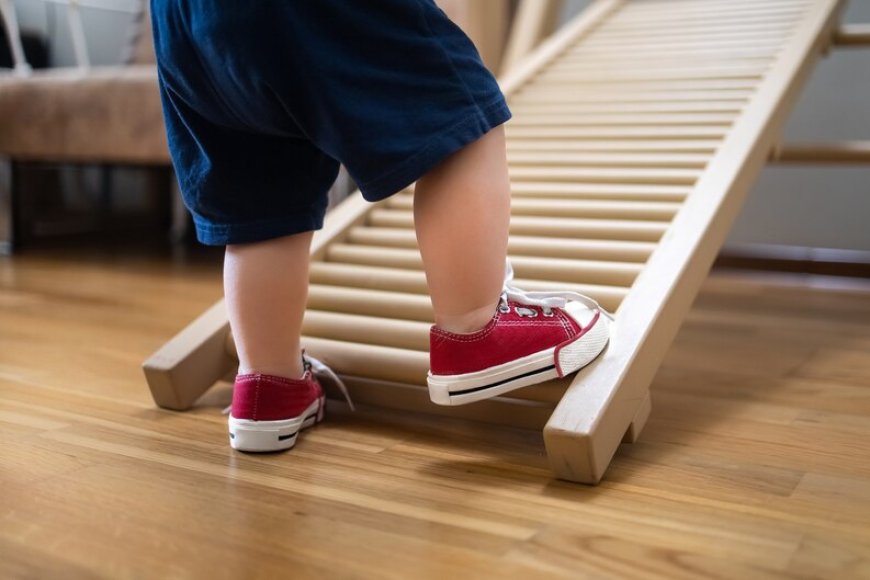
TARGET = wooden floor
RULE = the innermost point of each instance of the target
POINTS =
(755, 462)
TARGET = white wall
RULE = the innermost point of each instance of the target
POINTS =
(814, 206)
(806, 206)
(106, 31)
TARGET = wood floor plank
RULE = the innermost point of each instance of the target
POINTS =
(560, 550)
(754, 462)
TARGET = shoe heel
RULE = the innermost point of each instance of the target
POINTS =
(259, 439)
(439, 394)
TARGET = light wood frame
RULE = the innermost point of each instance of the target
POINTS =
(608, 402)
(534, 21)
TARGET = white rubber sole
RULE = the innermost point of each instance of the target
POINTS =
(529, 370)
(262, 436)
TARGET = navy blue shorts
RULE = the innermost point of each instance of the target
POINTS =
(264, 98)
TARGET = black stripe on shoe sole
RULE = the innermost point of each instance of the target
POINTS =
(500, 383)
(294, 433)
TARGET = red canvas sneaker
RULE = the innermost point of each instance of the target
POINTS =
(533, 337)
(268, 412)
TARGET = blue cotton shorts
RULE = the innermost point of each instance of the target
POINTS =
(264, 98)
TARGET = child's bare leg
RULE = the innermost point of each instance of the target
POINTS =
(462, 215)
(266, 288)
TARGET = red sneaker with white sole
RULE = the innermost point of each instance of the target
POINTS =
(533, 337)
(268, 412)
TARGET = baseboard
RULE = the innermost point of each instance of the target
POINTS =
(799, 259)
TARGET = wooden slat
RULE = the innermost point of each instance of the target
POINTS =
(853, 35)
(555, 269)
(387, 279)
(668, 56)
(757, 65)
(389, 237)
(650, 176)
(627, 119)
(399, 305)
(652, 133)
(634, 230)
(555, 110)
(405, 334)
(375, 256)
(616, 85)
(570, 76)
(650, 92)
(520, 245)
(652, 50)
(414, 282)
(658, 13)
(676, 7)
(367, 360)
(630, 230)
(676, 61)
(599, 191)
(623, 210)
(615, 28)
(618, 145)
(688, 21)
(708, 33)
(847, 152)
(611, 250)
(539, 97)
(658, 211)
(633, 160)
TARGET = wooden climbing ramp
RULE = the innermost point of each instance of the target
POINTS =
(638, 130)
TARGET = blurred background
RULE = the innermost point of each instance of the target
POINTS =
(803, 209)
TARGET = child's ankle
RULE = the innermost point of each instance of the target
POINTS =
(466, 323)
(285, 372)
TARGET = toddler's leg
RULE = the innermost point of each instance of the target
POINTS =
(266, 287)
(462, 215)
(274, 398)
(462, 212)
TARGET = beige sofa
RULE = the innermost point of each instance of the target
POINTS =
(80, 115)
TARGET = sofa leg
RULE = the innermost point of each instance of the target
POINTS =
(7, 209)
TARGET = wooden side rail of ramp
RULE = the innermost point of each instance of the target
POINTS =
(638, 130)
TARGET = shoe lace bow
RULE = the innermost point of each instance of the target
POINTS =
(546, 300)
(318, 367)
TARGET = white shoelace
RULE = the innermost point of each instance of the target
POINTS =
(318, 367)
(545, 300)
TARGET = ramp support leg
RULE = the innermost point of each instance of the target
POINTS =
(186, 366)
